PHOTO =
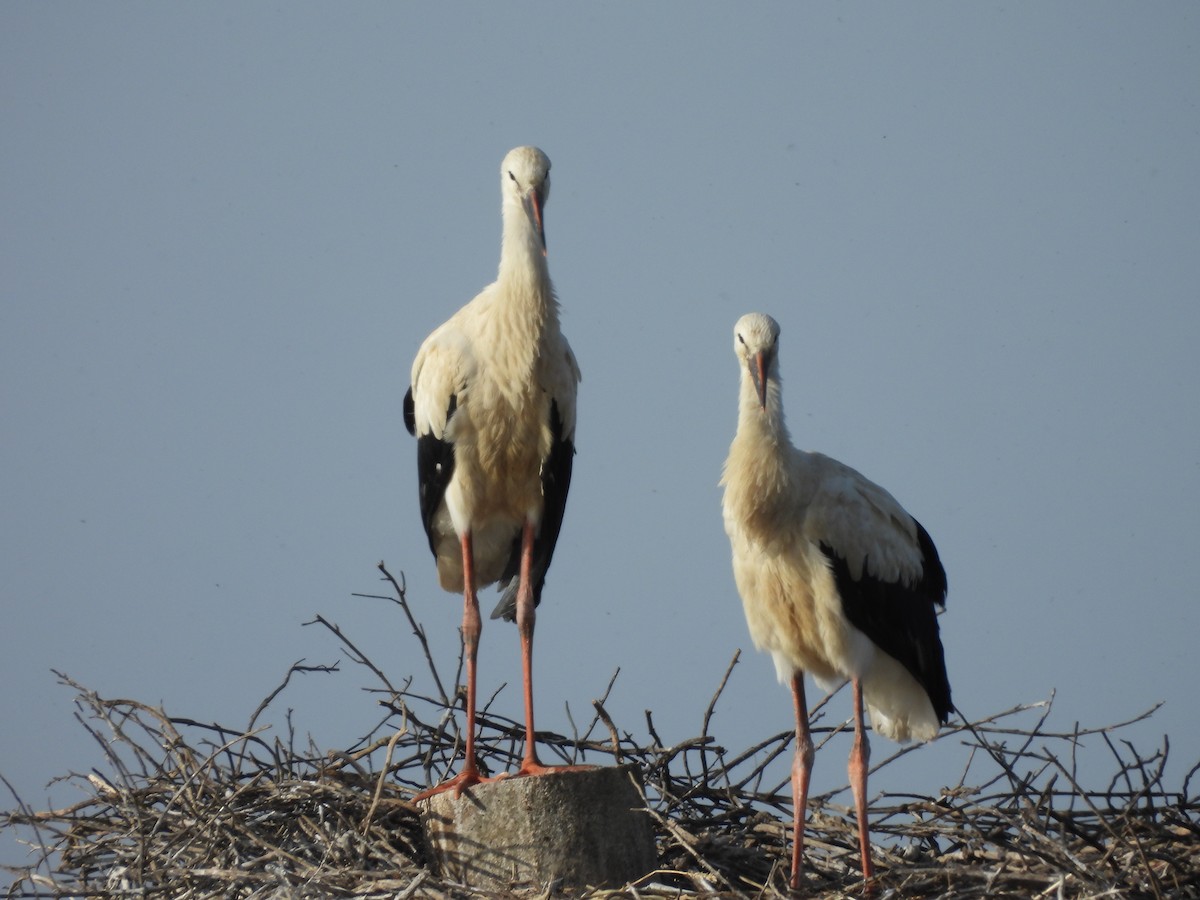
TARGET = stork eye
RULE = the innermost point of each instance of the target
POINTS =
(741, 340)
(512, 176)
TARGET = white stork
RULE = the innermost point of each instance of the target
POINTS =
(492, 405)
(836, 579)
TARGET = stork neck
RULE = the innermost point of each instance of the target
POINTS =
(523, 268)
(524, 309)
(765, 425)
(758, 473)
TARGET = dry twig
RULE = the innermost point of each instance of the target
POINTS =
(192, 811)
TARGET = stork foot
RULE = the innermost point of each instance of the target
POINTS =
(468, 777)
(534, 767)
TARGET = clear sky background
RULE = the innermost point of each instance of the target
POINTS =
(227, 228)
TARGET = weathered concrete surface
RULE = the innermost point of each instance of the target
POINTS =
(585, 827)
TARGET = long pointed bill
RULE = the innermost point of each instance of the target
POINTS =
(535, 205)
(759, 372)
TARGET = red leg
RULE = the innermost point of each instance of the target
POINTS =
(801, 771)
(860, 757)
(526, 617)
(471, 628)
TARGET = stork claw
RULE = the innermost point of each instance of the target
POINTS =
(468, 777)
(535, 768)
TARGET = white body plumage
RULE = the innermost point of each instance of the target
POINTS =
(786, 511)
(492, 405)
(504, 361)
(835, 577)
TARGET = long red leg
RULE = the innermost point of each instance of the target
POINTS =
(471, 628)
(801, 771)
(860, 757)
(526, 617)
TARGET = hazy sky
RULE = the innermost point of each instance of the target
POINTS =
(227, 228)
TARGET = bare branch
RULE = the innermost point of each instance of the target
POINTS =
(184, 809)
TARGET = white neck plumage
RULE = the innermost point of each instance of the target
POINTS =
(526, 308)
(762, 423)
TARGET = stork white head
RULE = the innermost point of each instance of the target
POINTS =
(755, 342)
(525, 180)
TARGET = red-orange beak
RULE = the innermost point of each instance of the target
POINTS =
(535, 204)
(759, 372)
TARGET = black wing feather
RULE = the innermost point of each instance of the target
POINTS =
(435, 466)
(410, 416)
(901, 618)
(556, 481)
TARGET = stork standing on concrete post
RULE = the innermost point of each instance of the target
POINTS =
(836, 579)
(492, 405)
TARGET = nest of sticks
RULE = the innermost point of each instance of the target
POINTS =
(192, 810)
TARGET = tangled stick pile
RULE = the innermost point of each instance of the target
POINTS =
(188, 810)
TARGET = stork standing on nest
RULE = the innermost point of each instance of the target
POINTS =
(836, 579)
(492, 405)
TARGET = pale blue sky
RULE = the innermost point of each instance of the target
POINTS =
(227, 228)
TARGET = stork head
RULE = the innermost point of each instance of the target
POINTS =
(755, 341)
(525, 180)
